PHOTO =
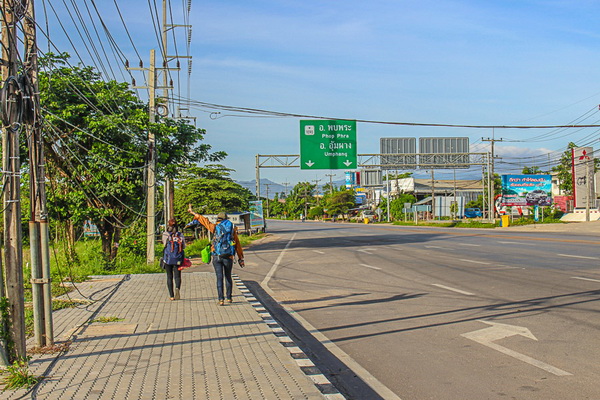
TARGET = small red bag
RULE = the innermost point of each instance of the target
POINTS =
(185, 264)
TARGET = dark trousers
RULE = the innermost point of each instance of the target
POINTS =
(173, 272)
(223, 267)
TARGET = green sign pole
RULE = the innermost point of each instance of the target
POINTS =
(328, 144)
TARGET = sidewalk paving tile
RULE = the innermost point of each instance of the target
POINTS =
(161, 349)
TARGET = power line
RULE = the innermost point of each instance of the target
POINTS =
(268, 113)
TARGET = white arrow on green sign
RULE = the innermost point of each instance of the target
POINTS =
(328, 144)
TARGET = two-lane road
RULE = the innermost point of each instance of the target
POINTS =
(435, 313)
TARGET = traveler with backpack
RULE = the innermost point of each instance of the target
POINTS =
(225, 245)
(173, 256)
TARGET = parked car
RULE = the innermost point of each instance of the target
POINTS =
(369, 214)
(539, 198)
(473, 213)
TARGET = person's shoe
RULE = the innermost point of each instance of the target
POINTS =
(221, 303)
(171, 298)
(177, 296)
(230, 301)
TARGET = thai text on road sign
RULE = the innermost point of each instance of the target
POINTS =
(328, 144)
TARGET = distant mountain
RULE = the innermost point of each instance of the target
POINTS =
(265, 185)
(274, 187)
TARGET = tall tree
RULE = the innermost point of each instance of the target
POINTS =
(564, 170)
(96, 145)
(210, 190)
(341, 202)
(533, 170)
(300, 199)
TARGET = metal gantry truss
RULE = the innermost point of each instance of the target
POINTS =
(374, 161)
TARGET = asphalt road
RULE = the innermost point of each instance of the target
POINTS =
(440, 313)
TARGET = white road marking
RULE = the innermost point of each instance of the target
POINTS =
(368, 266)
(585, 279)
(520, 243)
(499, 331)
(475, 262)
(265, 282)
(501, 267)
(436, 247)
(452, 289)
(364, 251)
(468, 244)
(318, 251)
(574, 256)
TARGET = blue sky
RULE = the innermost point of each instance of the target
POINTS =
(457, 62)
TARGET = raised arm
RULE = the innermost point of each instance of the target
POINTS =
(202, 219)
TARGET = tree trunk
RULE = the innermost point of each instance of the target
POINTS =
(115, 247)
(107, 231)
(110, 235)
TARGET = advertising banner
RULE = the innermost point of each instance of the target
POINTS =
(350, 181)
(257, 219)
(583, 182)
(526, 190)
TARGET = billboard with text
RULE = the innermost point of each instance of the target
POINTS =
(257, 219)
(526, 190)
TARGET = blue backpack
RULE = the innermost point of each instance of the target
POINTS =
(173, 253)
(223, 243)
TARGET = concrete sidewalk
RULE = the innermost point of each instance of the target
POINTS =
(161, 349)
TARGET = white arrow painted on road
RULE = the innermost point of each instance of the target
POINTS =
(347, 163)
(499, 331)
(309, 163)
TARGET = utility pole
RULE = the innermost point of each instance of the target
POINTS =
(257, 177)
(11, 163)
(492, 140)
(432, 196)
(38, 222)
(169, 195)
(316, 181)
(590, 186)
(330, 182)
(387, 186)
(267, 185)
(305, 203)
(285, 184)
(151, 168)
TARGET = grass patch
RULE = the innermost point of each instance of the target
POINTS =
(18, 376)
(193, 249)
(104, 320)
(247, 240)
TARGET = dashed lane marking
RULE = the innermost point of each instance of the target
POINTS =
(319, 251)
(475, 262)
(436, 247)
(468, 244)
(585, 279)
(575, 256)
(364, 251)
(524, 244)
(369, 266)
(452, 289)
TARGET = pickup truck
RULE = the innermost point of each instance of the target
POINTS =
(473, 213)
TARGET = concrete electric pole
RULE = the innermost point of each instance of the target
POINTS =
(38, 222)
(167, 85)
(151, 168)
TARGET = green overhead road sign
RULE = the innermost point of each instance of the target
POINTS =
(328, 144)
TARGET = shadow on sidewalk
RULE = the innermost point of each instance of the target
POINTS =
(344, 379)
